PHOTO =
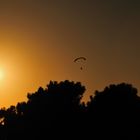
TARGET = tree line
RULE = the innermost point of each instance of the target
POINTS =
(57, 112)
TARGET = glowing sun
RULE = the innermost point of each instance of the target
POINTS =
(1, 74)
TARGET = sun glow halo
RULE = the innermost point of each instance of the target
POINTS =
(1, 75)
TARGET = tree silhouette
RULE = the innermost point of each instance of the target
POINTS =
(116, 111)
(54, 109)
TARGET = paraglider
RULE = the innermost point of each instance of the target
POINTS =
(80, 59)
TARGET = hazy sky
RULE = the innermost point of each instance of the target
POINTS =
(39, 39)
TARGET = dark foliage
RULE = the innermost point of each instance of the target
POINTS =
(116, 111)
(57, 113)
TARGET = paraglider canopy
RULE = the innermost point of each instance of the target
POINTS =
(79, 58)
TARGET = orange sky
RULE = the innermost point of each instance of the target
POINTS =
(40, 39)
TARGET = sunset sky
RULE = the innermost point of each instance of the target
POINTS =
(39, 39)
